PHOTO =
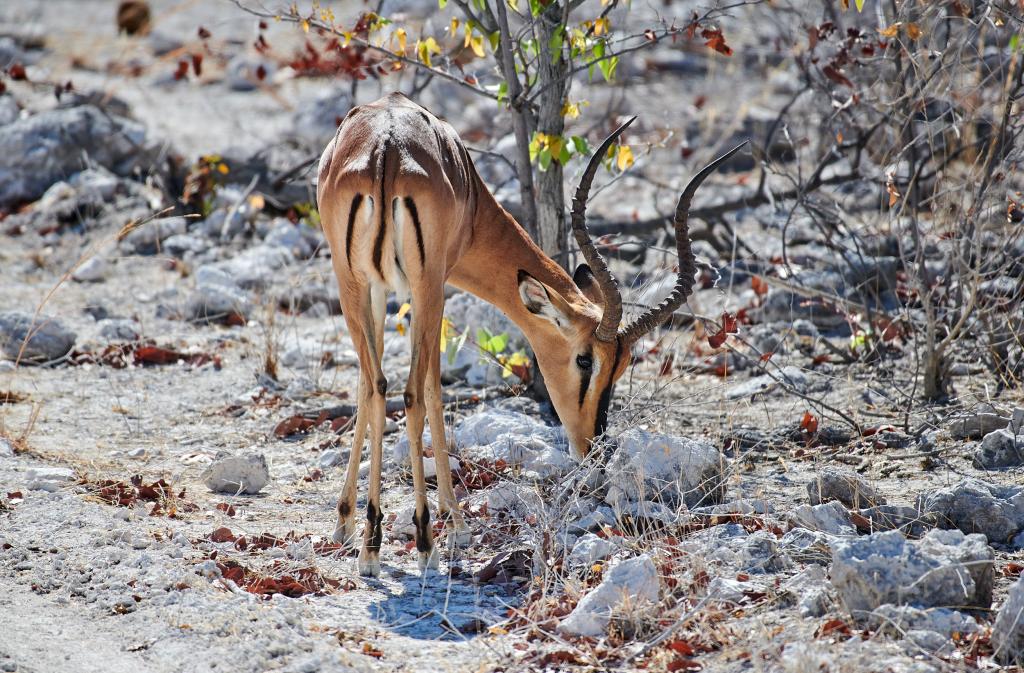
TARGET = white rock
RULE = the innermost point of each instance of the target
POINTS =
(726, 590)
(590, 549)
(630, 585)
(330, 458)
(91, 270)
(6, 448)
(508, 496)
(1008, 631)
(672, 470)
(48, 478)
(237, 474)
(897, 619)
(945, 568)
(830, 517)
(792, 376)
(430, 466)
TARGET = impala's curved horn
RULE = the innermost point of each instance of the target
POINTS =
(684, 281)
(609, 327)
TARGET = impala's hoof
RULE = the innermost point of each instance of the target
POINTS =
(429, 560)
(369, 564)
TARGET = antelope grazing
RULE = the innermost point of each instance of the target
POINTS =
(404, 210)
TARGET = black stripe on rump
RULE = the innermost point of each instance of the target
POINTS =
(410, 205)
(378, 245)
(357, 201)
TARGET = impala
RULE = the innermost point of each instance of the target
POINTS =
(404, 210)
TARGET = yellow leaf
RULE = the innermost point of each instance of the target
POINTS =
(257, 202)
(403, 310)
(571, 110)
(913, 31)
(891, 31)
(348, 38)
(477, 45)
(400, 328)
(327, 15)
(601, 25)
(624, 157)
(597, 567)
(424, 48)
(839, 137)
(447, 330)
(223, 168)
(305, 25)
(859, 3)
(497, 631)
(454, 28)
(555, 143)
(400, 35)
(514, 4)
(845, 4)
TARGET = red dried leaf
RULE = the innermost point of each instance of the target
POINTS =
(226, 508)
(222, 534)
(683, 664)
(649, 34)
(197, 64)
(729, 326)
(182, 70)
(836, 626)
(759, 285)
(716, 41)
(1013, 569)
(682, 647)
(16, 71)
(809, 423)
(836, 76)
(203, 33)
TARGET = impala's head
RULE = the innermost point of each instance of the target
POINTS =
(581, 347)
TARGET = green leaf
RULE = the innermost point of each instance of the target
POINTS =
(544, 159)
(608, 67)
(503, 93)
(535, 7)
(565, 154)
(498, 343)
(1015, 42)
(442, 3)
(494, 38)
(581, 145)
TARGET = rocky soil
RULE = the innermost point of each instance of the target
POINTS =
(176, 389)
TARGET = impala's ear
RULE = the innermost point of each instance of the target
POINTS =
(585, 281)
(542, 301)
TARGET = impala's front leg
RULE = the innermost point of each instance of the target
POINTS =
(448, 506)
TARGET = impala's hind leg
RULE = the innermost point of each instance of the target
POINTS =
(448, 506)
(345, 530)
(369, 556)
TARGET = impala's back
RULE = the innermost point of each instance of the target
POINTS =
(395, 186)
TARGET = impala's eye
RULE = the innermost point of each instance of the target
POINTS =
(585, 362)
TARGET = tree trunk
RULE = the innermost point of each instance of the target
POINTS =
(552, 78)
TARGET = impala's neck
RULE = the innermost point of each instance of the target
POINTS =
(490, 266)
